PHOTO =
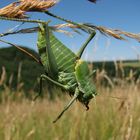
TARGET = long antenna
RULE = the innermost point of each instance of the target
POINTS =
(23, 50)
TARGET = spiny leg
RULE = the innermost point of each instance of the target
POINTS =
(79, 54)
(43, 76)
(54, 82)
(68, 105)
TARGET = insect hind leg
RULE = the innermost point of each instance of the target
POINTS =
(68, 105)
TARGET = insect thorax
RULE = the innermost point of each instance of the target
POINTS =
(68, 79)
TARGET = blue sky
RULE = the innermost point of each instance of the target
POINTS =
(117, 14)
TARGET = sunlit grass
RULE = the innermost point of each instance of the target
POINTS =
(107, 119)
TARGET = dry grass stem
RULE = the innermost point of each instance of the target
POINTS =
(108, 119)
(118, 33)
(106, 31)
(3, 76)
(130, 35)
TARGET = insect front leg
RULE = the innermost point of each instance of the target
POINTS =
(79, 54)
(43, 76)
(76, 94)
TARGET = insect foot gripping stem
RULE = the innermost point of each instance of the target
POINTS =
(68, 105)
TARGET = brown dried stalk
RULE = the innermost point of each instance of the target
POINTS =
(106, 31)
(3, 76)
(130, 35)
(109, 32)
(117, 33)
(18, 10)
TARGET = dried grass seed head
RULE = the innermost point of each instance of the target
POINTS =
(12, 11)
(18, 9)
(36, 5)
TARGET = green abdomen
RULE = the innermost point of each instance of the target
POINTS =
(82, 76)
(65, 58)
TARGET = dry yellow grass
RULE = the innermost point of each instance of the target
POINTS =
(108, 118)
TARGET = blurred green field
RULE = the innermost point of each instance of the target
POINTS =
(29, 71)
(107, 119)
(132, 64)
